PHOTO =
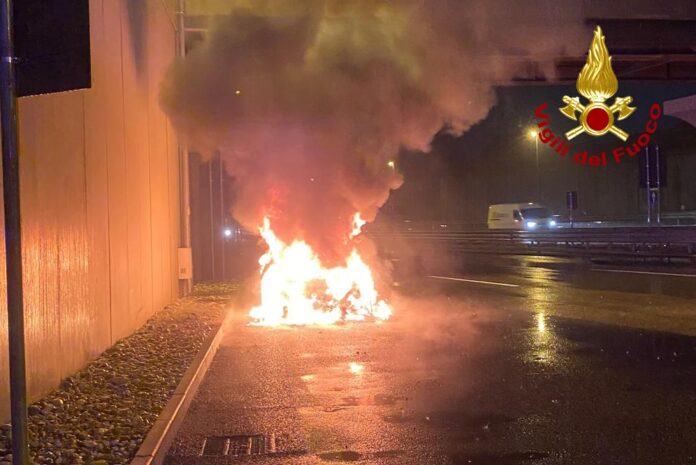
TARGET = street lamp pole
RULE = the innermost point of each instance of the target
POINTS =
(538, 182)
(534, 134)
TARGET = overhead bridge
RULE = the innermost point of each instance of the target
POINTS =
(641, 49)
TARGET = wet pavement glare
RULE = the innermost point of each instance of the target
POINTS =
(450, 380)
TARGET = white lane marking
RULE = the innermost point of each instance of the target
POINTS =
(683, 275)
(473, 281)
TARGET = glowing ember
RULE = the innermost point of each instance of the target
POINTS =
(297, 290)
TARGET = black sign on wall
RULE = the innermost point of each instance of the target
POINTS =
(51, 40)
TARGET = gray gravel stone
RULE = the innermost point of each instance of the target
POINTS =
(100, 415)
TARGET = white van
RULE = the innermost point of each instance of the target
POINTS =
(528, 216)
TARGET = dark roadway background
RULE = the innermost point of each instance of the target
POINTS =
(528, 361)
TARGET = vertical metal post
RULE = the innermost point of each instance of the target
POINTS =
(181, 28)
(184, 175)
(647, 181)
(657, 184)
(13, 238)
(538, 182)
(212, 219)
(223, 240)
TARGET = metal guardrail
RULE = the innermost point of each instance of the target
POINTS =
(646, 242)
(681, 219)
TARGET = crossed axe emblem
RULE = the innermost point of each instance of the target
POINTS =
(597, 118)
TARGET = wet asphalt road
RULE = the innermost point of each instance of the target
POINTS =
(465, 373)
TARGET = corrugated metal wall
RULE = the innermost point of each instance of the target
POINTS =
(100, 201)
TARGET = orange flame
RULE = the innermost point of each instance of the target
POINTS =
(597, 81)
(297, 290)
(358, 224)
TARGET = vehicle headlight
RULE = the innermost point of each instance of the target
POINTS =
(552, 223)
(531, 224)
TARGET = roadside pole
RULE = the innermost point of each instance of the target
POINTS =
(647, 183)
(13, 238)
(213, 269)
(572, 205)
(184, 175)
(223, 223)
(657, 183)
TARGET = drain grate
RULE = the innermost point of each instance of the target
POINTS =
(239, 446)
(215, 446)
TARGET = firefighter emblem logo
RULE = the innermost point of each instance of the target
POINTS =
(597, 83)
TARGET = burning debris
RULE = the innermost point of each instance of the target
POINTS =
(296, 289)
(309, 102)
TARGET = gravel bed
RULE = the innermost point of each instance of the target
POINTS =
(101, 414)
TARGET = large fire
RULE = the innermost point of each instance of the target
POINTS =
(296, 289)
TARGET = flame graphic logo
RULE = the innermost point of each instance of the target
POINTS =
(597, 83)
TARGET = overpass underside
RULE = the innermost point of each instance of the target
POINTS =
(641, 50)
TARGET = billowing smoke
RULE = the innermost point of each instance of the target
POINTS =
(309, 100)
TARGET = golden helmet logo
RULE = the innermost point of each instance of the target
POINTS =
(597, 83)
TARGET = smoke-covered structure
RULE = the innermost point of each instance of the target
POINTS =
(309, 100)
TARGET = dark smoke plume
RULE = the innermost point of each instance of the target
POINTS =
(308, 100)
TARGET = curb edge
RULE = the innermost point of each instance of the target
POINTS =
(160, 436)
